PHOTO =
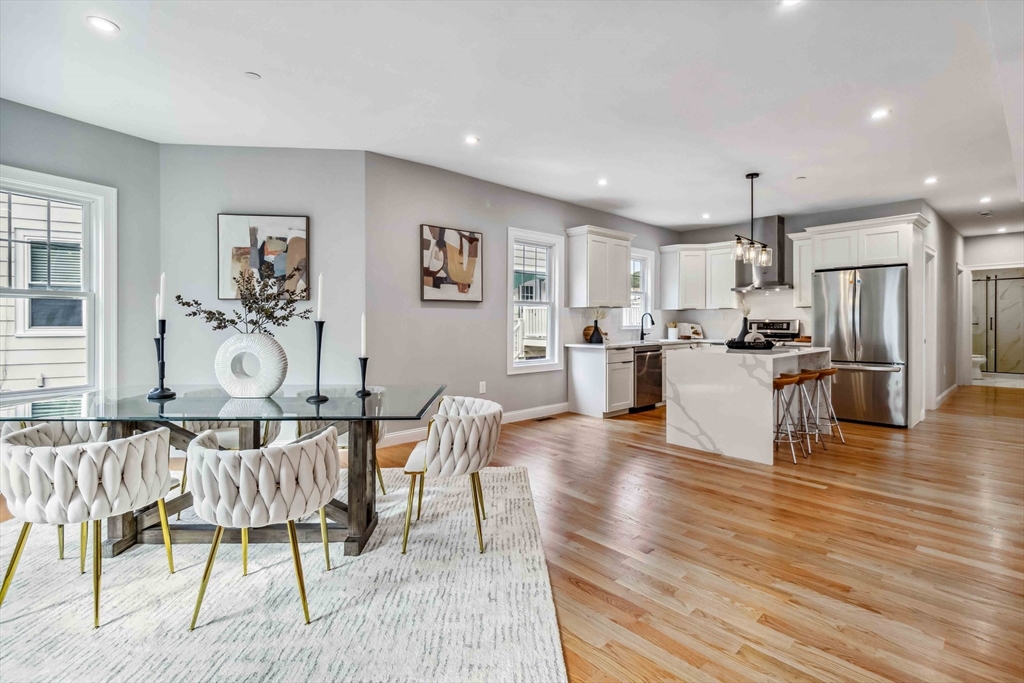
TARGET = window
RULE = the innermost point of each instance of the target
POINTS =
(58, 324)
(534, 303)
(640, 301)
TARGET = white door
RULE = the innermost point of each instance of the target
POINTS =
(597, 271)
(885, 245)
(836, 249)
(803, 273)
(691, 276)
(618, 273)
(619, 384)
(721, 278)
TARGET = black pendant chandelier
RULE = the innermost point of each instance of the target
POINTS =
(748, 249)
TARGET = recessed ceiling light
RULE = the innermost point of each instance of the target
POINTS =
(1001, 230)
(104, 25)
(602, 181)
(931, 180)
(789, 3)
(252, 75)
(706, 216)
(986, 200)
(879, 114)
(472, 139)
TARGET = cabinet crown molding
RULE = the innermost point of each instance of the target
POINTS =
(669, 248)
(602, 232)
(918, 221)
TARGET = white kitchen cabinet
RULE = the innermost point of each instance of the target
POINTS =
(600, 379)
(836, 249)
(619, 383)
(884, 245)
(721, 278)
(803, 272)
(683, 269)
(598, 267)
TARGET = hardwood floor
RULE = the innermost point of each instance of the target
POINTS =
(898, 557)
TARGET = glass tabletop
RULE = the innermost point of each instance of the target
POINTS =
(211, 402)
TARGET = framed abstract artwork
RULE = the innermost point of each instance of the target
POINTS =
(451, 264)
(252, 241)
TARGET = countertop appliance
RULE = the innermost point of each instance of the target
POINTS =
(861, 315)
(776, 330)
(647, 380)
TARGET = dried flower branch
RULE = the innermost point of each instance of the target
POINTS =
(266, 303)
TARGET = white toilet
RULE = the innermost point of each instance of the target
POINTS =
(976, 363)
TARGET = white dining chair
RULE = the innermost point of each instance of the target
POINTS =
(255, 488)
(461, 440)
(82, 482)
(379, 431)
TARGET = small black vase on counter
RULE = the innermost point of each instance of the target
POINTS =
(743, 331)
(595, 336)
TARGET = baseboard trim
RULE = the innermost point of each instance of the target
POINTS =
(420, 433)
(944, 395)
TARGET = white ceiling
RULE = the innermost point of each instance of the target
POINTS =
(672, 102)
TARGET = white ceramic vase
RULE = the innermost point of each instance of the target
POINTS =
(232, 375)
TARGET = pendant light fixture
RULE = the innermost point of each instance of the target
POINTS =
(748, 249)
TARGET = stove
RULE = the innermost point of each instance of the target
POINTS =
(776, 330)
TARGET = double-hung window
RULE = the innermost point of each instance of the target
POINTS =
(641, 268)
(534, 301)
(58, 275)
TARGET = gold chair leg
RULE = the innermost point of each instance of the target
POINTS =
(97, 570)
(480, 494)
(419, 501)
(85, 545)
(167, 533)
(476, 514)
(380, 478)
(408, 511)
(294, 538)
(217, 534)
(245, 552)
(323, 532)
(20, 546)
(60, 541)
(181, 486)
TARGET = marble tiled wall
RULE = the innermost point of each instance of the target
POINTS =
(1001, 298)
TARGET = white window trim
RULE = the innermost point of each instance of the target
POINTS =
(556, 288)
(648, 258)
(99, 259)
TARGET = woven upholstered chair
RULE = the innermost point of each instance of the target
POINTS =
(46, 483)
(256, 488)
(461, 439)
(65, 433)
(379, 431)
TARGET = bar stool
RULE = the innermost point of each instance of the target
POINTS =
(823, 392)
(784, 417)
(805, 427)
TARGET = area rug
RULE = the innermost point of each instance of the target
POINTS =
(443, 612)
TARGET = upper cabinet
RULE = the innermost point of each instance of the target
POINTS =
(697, 276)
(598, 267)
(836, 249)
(884, 244)
(875, 242)
(803, 270)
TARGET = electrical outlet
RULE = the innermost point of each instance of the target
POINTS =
(483, 387)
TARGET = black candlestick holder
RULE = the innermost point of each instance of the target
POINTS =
(161, 393)
(363, 393)
(318, 397)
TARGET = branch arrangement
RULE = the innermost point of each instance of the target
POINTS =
(266, 303)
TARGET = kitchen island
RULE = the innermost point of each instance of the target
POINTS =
(719, 400)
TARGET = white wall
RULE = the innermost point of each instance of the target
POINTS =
(989, 250)
(197, 183)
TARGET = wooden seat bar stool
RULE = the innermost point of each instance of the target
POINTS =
(823, 394)
(784, 416)
(805, 427)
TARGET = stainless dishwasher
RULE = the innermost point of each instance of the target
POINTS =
(648, 369)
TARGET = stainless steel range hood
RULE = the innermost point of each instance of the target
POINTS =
(771, 230)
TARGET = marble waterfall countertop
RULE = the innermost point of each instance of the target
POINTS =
(721, 401)
(631, 344)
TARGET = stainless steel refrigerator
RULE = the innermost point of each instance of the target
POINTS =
(861, 315)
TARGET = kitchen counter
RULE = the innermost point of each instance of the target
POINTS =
(720, 400)
(630, 344)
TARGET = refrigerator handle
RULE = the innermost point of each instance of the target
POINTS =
(856, 315)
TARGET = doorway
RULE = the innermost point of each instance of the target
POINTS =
(997, 319)
(931, 364)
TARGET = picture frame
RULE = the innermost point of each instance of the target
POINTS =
(451, 264)
(252, 240)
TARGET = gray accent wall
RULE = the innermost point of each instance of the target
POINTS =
(198, 182)
(39, 141)
(987, 250)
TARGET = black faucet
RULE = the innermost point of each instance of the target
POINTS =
(642, 333)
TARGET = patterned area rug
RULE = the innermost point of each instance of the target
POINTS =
(443, 612)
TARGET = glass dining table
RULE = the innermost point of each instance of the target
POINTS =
(126, 410)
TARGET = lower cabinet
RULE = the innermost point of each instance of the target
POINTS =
(619, 382)
(600, 380)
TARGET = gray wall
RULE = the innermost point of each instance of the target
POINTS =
(994, 249)
(457, 343)
(198, 182)
(40, 141)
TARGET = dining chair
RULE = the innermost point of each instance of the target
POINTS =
(379, 431)
(461, 439)
(255, 488)
(82, 482)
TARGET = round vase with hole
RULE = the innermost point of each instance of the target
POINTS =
(241, 350)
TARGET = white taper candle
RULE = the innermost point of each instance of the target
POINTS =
(163, 296)
(362, 340)
(157, 302)
(320, 297)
